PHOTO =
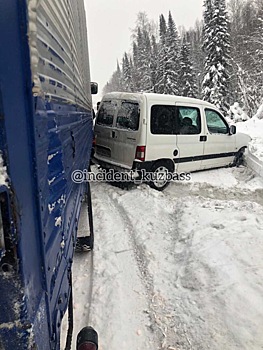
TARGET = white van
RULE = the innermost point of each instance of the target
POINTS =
(163, 133)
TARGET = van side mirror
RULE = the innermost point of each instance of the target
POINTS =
(94, 88)
(233, 129)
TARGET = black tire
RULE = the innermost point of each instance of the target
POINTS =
(239, 158)
(161, 168)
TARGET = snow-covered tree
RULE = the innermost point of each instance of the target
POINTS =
(173, 52)
(144, 57)
(160, 86)
(194, 37)
(186, 79)
(116, 81)
(135, 67)
(127, 74)
(247, 53)
(217, 49)
(154, 64)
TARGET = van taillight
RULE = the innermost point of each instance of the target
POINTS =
(140, 153)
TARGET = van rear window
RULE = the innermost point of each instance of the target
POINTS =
(128, 116)
(106, 113)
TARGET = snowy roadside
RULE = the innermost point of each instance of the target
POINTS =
(178, 270)
(254, 157)
(181, 269)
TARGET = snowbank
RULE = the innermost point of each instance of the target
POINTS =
(254, 128)
(259, 113)
(237, 113)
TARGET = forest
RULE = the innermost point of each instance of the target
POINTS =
(219, 60)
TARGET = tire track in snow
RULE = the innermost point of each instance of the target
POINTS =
(106, 207)
(158, 312)
(212, 192)
(189, 335)
(83, 262)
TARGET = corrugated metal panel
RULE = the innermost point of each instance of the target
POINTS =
(44, 137)
(63, 65)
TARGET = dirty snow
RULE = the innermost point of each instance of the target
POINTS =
(181, 269)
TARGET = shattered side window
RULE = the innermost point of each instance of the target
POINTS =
(128, 116)
(106, 113)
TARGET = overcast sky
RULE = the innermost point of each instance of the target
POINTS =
(110, 23)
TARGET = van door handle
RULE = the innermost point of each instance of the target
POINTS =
(203, 138)
(113, 134)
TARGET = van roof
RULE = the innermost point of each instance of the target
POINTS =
(156, 97)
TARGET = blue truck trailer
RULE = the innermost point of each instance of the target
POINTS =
(45, 134)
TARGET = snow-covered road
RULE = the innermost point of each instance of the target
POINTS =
(181, 269)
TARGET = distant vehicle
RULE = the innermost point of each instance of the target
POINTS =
(164, 133)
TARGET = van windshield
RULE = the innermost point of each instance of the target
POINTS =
(128, 115)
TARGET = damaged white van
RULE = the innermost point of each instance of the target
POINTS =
(163, 134)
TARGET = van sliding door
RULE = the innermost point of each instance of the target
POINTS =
(190, 143)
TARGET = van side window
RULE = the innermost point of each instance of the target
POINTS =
(106, 113)
(190, 120)
(128, 116)
(215, 123)
(163, 120)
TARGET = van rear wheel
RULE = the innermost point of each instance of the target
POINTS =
(160, 178)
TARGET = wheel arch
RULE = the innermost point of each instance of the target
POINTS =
(167, 161)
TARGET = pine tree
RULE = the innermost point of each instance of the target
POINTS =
(160, 86)
(142, 54)
(246, 53)
(145, 70)
(217, 48)
(116, 81)
(195, 39)
(173, 51)
(154, 64)
(127, 74)
(135, 68)
(186, 81)
(258, 42)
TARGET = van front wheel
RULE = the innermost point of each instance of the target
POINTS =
(160, 176)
